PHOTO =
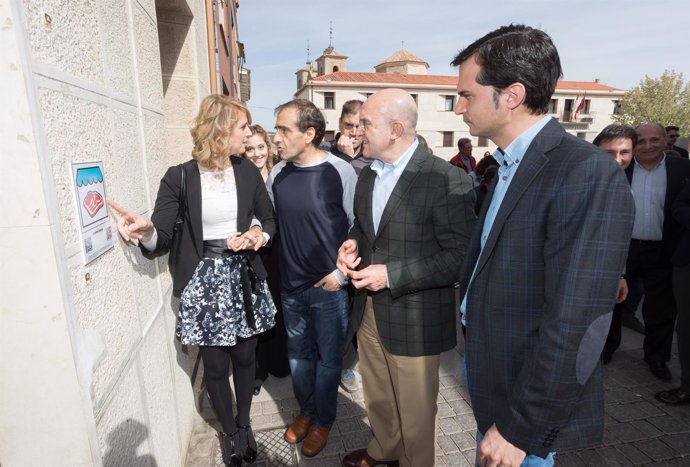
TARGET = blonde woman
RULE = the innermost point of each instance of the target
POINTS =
(224, 301)
(271, 351)
(259, 150)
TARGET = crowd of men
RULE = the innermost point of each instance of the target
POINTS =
(659, 257)
(376, 235)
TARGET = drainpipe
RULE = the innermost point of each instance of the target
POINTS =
(211, 46)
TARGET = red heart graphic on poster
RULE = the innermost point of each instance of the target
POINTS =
(93, 202)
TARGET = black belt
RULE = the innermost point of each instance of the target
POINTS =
(639, 242)
(217, 249)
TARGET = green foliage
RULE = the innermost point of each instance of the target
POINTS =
(664, 100)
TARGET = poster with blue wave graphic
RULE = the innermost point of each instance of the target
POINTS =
(92, 211)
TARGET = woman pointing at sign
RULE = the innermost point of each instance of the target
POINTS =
(215, 200)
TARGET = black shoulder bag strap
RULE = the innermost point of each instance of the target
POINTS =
(177, 227)
(182, 199)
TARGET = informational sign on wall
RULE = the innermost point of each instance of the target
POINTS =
(95, 227)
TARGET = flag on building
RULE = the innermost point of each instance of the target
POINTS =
(579, 106)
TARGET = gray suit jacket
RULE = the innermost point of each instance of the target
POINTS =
(421, 239)
(539, 306)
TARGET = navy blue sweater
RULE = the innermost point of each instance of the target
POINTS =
(313, 206)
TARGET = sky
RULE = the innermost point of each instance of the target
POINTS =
(616, 41)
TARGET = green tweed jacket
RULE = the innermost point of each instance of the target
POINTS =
(422, 237)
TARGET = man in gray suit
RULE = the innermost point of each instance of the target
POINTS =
(413, 218)
(542, 268)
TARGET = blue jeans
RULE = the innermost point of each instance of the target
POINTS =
(531, 460)
(316, 323)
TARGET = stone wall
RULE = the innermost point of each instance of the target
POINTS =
(91, 373)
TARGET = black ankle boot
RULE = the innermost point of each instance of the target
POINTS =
(228, 447)
(247, 442)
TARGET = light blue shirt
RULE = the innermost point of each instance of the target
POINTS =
(649, 193)
(387, 176)
(509, 161)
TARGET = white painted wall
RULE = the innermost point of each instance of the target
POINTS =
(90, 371)
(433, 120)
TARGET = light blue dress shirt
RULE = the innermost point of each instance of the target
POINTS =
(649, 192)
(387, 176)
(509, 161)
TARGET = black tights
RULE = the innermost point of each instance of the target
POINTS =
(216, 376)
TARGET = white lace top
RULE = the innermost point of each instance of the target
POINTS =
(218, 203)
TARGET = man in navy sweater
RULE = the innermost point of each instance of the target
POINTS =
(312, 193)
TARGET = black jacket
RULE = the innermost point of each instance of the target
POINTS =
(681, 213)
(677, 175)
(252, 201)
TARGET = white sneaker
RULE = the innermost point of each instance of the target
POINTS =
(348, 381)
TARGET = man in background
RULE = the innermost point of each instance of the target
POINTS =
(672, 134)
(681, 289)
(618, 141)
(655, 180)
(464, 159)
(348, 142)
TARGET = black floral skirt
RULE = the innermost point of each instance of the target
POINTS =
(224, 300)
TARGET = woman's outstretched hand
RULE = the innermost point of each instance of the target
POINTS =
(131, 225)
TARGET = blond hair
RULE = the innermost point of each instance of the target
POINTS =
(259, 130)
(211, 129)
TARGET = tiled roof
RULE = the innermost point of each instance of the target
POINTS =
(388, 78)
(438, 80)
(402, 55)
(584, 85)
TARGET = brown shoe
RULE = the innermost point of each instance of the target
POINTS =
(298, 429)
(315, 441)
(361, 458)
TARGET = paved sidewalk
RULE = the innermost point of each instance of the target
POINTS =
(639, 430)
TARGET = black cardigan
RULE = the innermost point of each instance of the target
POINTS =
(252, 201)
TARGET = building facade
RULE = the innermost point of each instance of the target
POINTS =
(583, 108)
(90, 371)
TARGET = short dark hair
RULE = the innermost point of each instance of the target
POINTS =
(614, 131)
(490, 173)
(351, 107)
(308, 116)
(672, 127)
(463, 141)
(484, 163)
(517, 53)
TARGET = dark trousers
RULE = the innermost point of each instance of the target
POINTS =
(613, 339)
(271, 350)
(635, 295)
(646, 262)
(681, 289)
(350, 356)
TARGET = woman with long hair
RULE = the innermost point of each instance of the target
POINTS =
(259, 150)
(271, 351)
(220, 279)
